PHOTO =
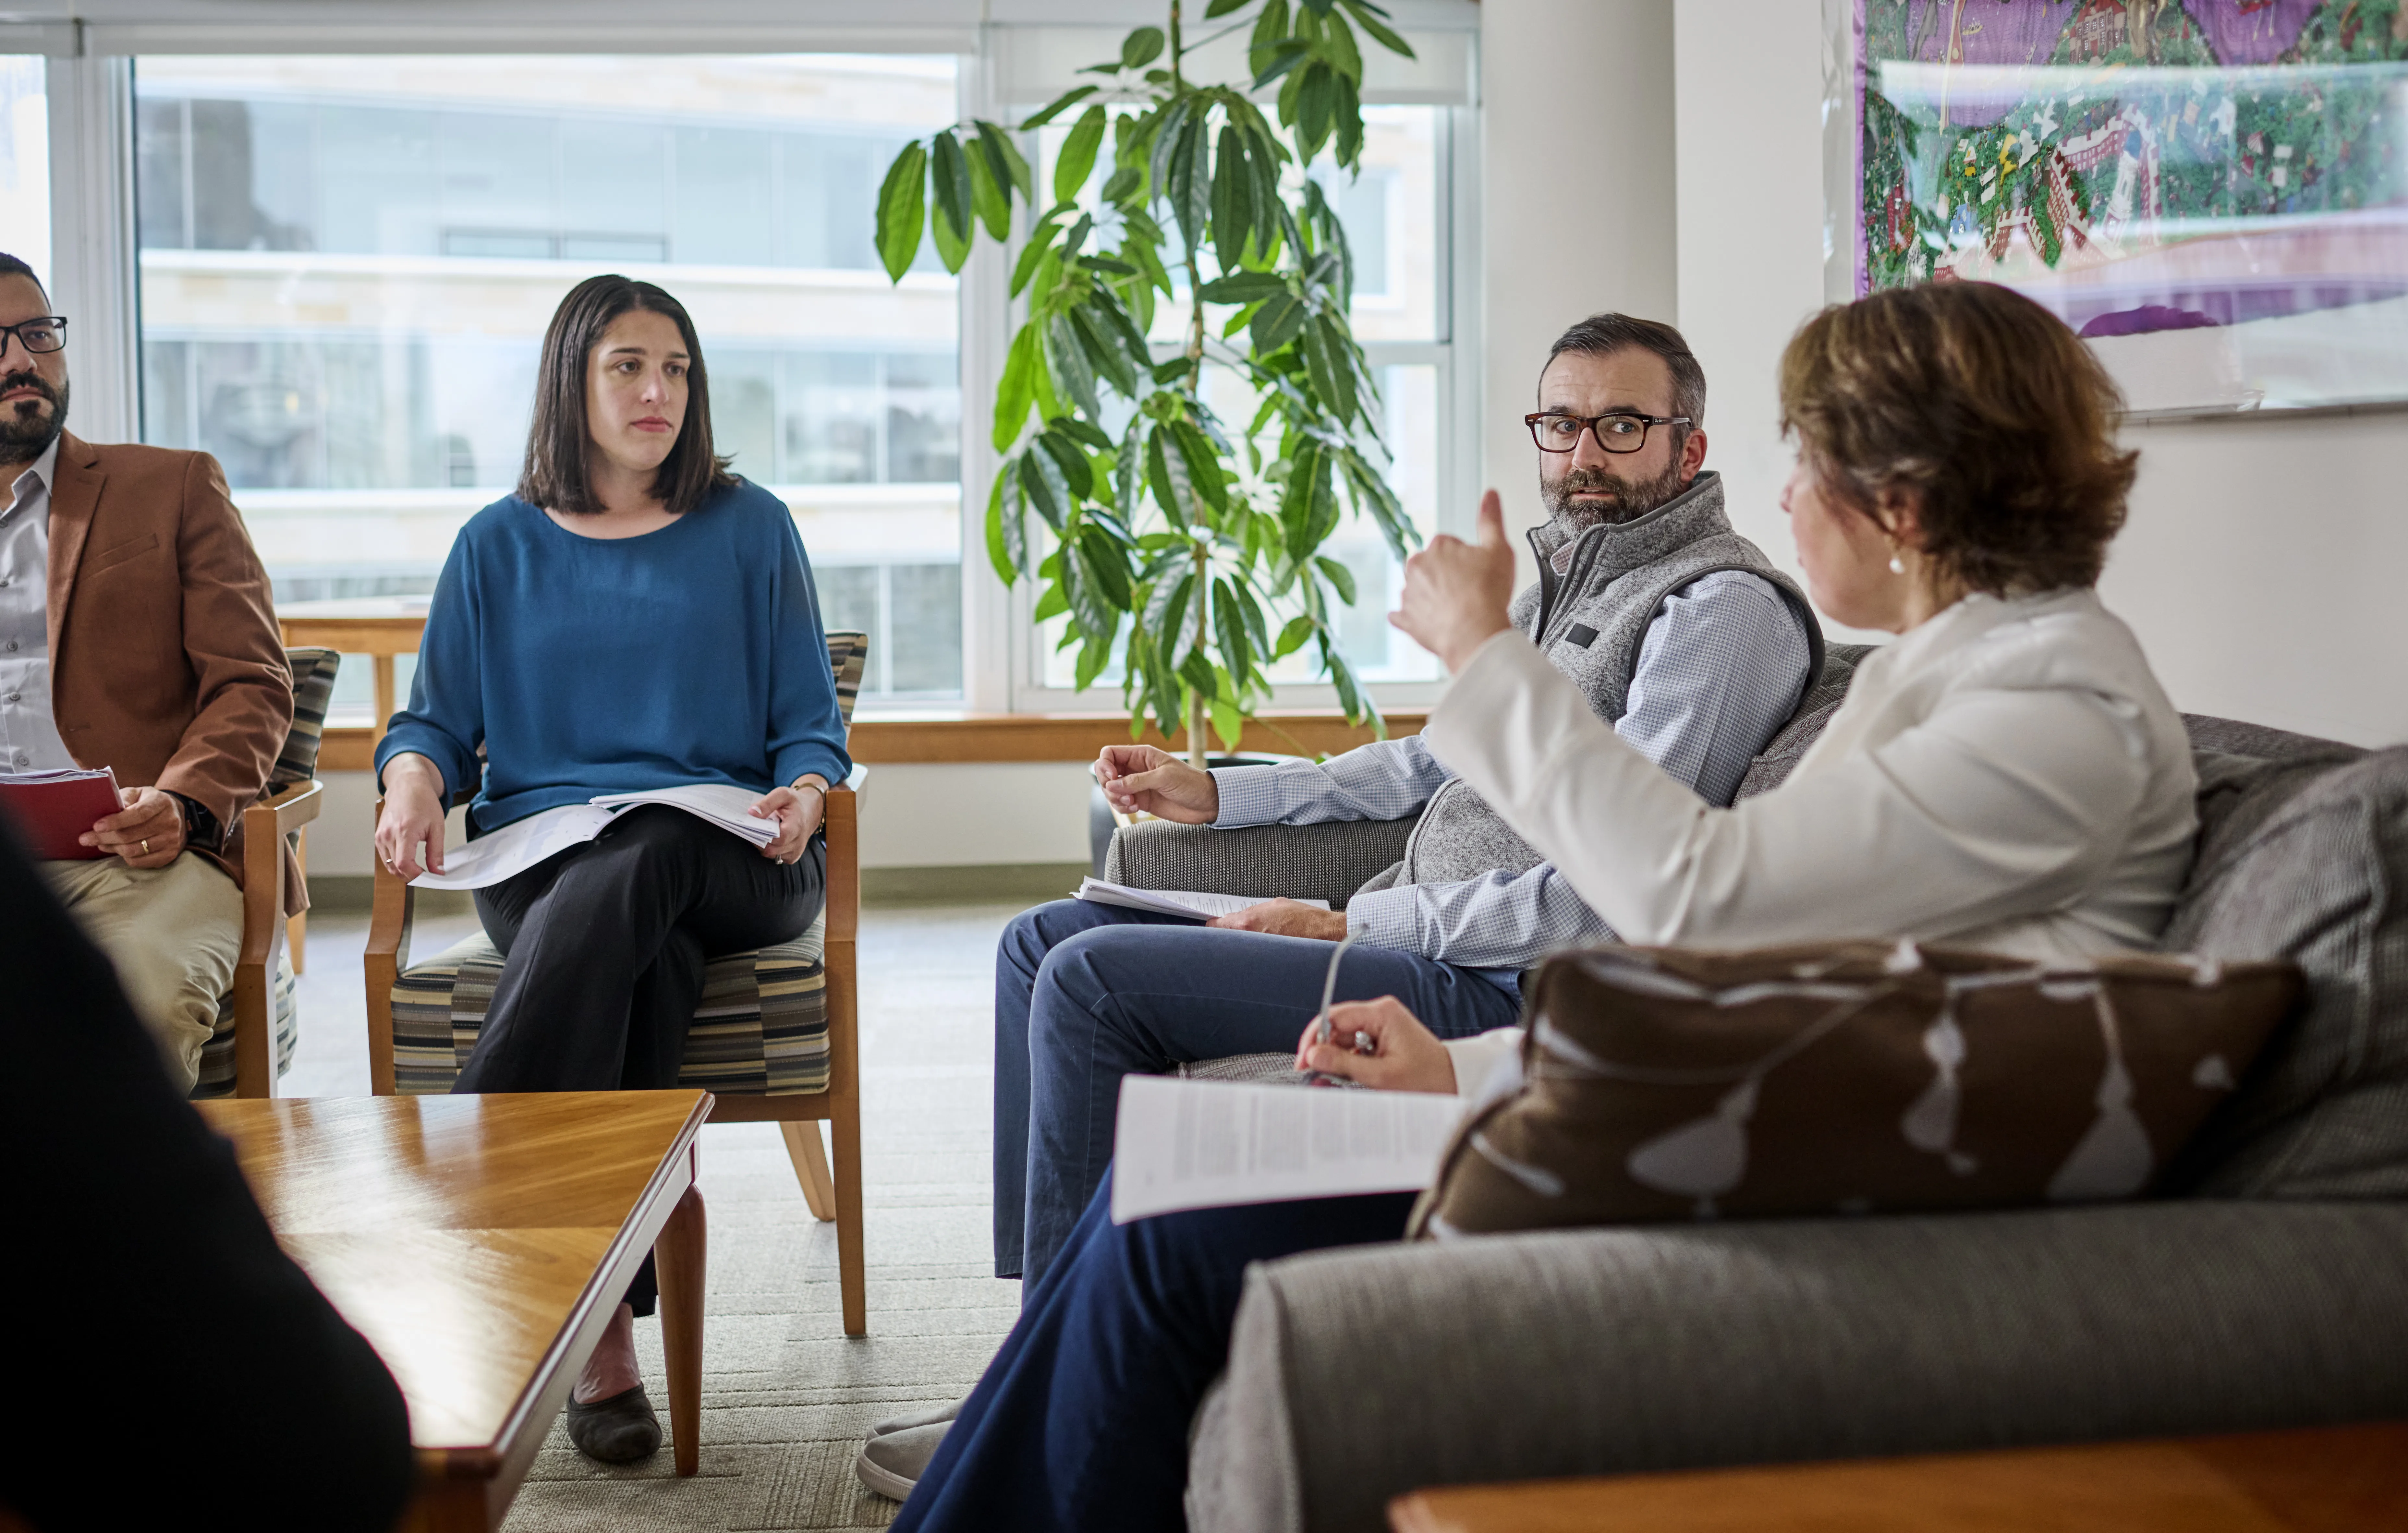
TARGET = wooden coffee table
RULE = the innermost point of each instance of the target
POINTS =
(2316, 1480)
(480, 1244)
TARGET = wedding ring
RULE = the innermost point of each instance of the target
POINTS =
(146, 846)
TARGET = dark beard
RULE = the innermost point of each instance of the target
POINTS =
(1632, 498)
(25, 431)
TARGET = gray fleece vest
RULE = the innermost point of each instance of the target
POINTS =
(1588, 622)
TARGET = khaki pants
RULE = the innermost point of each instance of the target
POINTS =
(173, 933)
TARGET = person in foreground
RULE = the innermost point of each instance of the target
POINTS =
(635, 617)
(141, 1249)
(2007, 774)
(135, 633)
(1679, 632)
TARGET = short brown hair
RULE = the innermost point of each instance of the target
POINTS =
(1983, 405)
(557, 439)
(1602, 335)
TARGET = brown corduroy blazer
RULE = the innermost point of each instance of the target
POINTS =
(165, 661)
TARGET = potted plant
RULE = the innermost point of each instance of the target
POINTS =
(1184, 546)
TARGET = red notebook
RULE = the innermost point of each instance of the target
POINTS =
(51, 809)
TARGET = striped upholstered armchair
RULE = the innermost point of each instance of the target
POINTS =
(774, 1039)
(259, 1021)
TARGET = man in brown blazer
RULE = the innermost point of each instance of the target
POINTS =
(135, 633)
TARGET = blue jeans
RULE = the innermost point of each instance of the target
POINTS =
(1081, 1422)
(1086, 993)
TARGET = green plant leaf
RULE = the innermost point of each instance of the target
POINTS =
(990, 198)
(1081, 432)
(1315, 101)
(1166, 475)
(1164, 125)
(1141, 48)
(1017, 389)
(1280, 320)
(1191, 182)
(902, 210)
(1223, 8)
(1258, 632)
(1103, 352)
(1123, 183)
(1004, 158)
(1070, 364)
(1092, 658)
(1338, 576)
(1244, 287)
(1348, 114)
(1229, 722)
(1271, 30)
(1280, 58)
(1202, 464)
(1368, 18)
(1108, 565)
(1128, 469)
(1007, 550)
(1059, 105)
(1077, 474)
(1040, 245)
(949, 183)
(1308, 509)
(1233, 196)
(1196, 671)
(1230, 633)
(1077, 158)
(1338, 46)
(1056, 602)
(1292, 636)
(1041, 482)
(1322, 370)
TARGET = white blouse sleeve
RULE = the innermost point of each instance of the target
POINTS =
(2003, 803)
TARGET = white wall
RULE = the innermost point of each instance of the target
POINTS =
(2259, 565)
(1577, 199)
(911, 816)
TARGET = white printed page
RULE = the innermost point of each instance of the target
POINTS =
(724, 805)
(515, 847)
(1175, 901)
(1207, 1144)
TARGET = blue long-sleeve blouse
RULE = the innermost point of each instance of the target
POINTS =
(587, 665)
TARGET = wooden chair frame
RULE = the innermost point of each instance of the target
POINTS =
(265, 826)
(831, 1197)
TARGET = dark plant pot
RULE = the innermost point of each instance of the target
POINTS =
(1100, 824)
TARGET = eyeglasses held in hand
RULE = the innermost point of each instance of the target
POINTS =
(1620, 430)
(47, 334)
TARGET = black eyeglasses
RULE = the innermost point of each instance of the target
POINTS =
(1620, 430)
(47, 334)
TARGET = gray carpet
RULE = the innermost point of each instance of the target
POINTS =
(786, 1395)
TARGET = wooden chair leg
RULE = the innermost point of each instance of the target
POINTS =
(296, 928)
(845, 1128)
(810, 1168)
(678, 1255)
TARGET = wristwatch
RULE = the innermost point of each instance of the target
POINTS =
(201, 830)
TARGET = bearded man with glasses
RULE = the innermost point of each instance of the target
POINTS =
(135, 633)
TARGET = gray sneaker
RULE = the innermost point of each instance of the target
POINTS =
(929, 1417)
(891, 1463)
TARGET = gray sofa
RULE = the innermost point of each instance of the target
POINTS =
(2267, 1284)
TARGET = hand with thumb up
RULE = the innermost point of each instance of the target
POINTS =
(1456, 594)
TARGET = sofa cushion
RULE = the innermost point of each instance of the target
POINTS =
(2303, 855)
(1666, 1082)
(760, 1030)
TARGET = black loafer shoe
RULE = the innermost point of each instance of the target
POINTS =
(618, 1430)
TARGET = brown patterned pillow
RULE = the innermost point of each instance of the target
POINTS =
(1671, 1083)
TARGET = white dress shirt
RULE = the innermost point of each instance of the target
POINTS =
(29, 733)
(2008, 776)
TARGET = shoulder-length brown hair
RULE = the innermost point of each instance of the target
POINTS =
(558, 440)
(1987, 409)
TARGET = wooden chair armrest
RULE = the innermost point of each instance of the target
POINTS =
(290, 807)
(387, 956)
(843, 824)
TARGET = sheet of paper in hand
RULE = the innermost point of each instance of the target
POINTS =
(1175, 901)
(1209, 1144)
(523, 843)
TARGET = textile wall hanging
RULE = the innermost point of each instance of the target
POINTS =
(2214, 191)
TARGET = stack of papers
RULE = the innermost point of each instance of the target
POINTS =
(523, 843)
(1209, 1144)
(1176, 901)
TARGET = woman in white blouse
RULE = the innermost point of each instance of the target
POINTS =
(2008, 774)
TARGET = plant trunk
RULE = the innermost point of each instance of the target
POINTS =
(1196, 744)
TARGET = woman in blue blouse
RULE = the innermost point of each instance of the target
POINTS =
(634, 617)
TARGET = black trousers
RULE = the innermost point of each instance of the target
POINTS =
(603, 948)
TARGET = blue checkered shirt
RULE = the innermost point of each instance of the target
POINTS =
(1720, 669)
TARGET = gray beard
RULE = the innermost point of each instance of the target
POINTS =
(1632, 498)
(26, 436)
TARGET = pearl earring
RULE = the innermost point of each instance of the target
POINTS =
(1895, 566)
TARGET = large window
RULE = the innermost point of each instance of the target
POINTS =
(26, 161)
(347, 266)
